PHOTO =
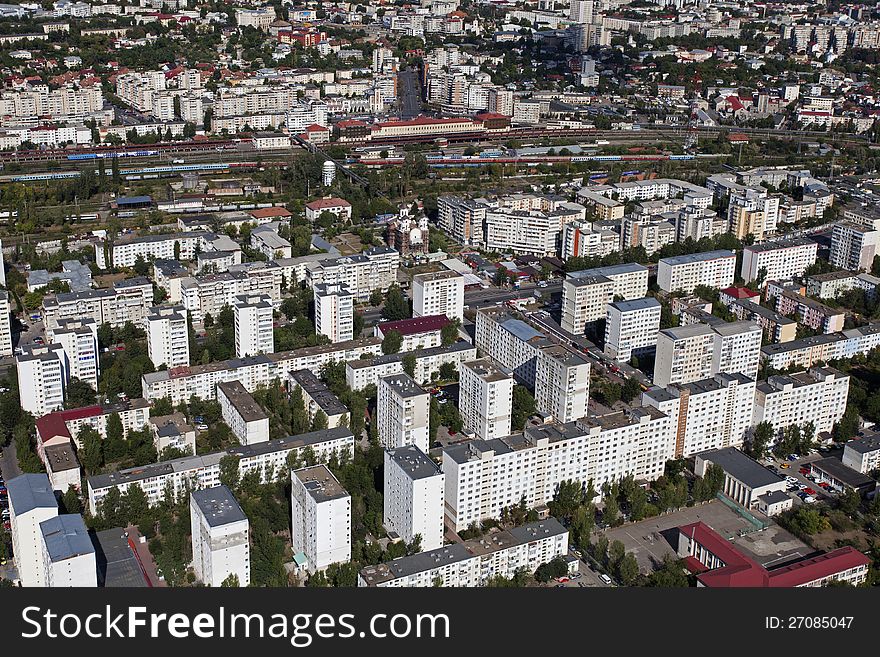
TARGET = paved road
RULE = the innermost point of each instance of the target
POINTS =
(409, 93)
(9, 462)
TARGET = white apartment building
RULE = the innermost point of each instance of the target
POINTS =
(244, 416)
(438, 293)
(715, 269)
(252, 314)
(208, 294)
(321, 517)
(737, 348)
(862, 455)
(684, 354)
(562, 383)
(359, 373)
(5, 323)
(832, 284)
(586, 294)
(168, 336)
(220, 541)
(818, 348)
(853, 246)
(403, 409)
(42, 378)
(631, 327)
(587, 240)
(485, 398)
(375, 268)
(68, 553)
(817, 395)
(318, 397)
(79, 340)
(189, 473)
(413, 496)
(708, 414)
(124, 253)
(464, 219)
(260, 18)
(127, 301)
(483, 477)
(334, 311)
(474, 562)
(778, 260)
(31, 501)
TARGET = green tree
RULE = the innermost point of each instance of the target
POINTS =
(70, 501)
(231, 581)
(376, 298)
(449, 332)
(299, 417)
(91, 452)
(567, 500)
(78, 394)
(319, 421)
(628, 570)
(229, 471)
(761, 439)
(392, 342)
(114, 444)
(409, 364)
(396, 305)
(523, 407)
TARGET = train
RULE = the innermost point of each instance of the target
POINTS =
(102, 155)
(528, 160)
(129, 150)
(141, 172)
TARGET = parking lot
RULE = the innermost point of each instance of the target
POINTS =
(793, 470)
(650, 541)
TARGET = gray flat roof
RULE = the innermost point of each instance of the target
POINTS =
(218, 505)
(414, 462)
(31, 491)
(697, 257)
(403, 385)
(635, 304)
(66, 537)
(320, 483)
(835, 467)
(243, 402)
(741, 467)
(864, 444)
(118, 566)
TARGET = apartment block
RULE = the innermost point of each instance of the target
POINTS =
(5, 325)
(168, 336)
(220, 542)
(778, 260)
(714, 269)
(853, 246)
(485, 398)
(321, 518)
(375, 268)
(822, 348)
(472, 563)
(684, 354)
(483, 477)
(413, 496)
(79, 340)
(562, 383)
(184, 475)
(252, 314)
(438, 293)
(403, 409)
(817, 395)
(31, 501)
(737, 348)
(833, 284)
(586, 294)
(631, 327)
(126, 301)
(244, 416)
(68, 553)
(42, 378)
(334, 312)
(172, 246)
(810, 312)
(318, 397)
(709, 414)
(862, 455)
(359, 373)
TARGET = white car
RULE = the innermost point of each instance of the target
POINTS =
(809, 499)
(791, 480)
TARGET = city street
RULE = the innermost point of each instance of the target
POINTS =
(409, 93)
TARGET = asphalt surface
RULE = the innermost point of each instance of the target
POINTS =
(409, 94)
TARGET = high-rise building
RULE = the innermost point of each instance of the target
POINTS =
(168, 336)
(413, 496)
(778, 260)
(714, 269)
(42, 378)
(631, 327)
(438, 293)
(68, 553)
(79, 340)
(485, 398)
(817, 395)
(684, 354)
(737, 348)
(5, 324)
(321, 517)
(253, 325)
(853, 246)
(708, 414)
(334, 312)
(562, 383)
(241, 412)
(220, 543)
(31, 501)
(586, 294)
(403, 409)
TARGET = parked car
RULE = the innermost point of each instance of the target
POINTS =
(202, 427)
(810, 491)
(809, 499)
(793, 457)
(605, 579)
(803, 486)
(791, 480)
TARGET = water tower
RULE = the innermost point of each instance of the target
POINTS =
(328, 173)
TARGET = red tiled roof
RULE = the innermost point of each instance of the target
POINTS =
(263, 213)
(350, 123)
(735, 103)
(322, 203)
(53, 424)
(739, 292)
(415, 325)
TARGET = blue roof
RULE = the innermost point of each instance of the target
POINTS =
(521, 330)
(133, 200)
(31, 491)
(66, 537)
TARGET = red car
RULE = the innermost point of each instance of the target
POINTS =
(825, 485)
(810, 491)
(804, 471)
